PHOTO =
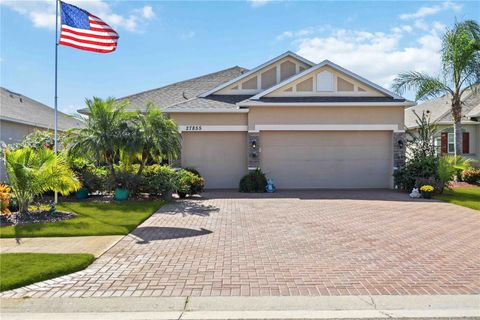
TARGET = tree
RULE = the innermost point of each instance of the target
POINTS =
(33, 172)
(421, 140)
(461, 72)
(153, 138)
(104, 132)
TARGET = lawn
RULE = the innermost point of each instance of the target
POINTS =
(93, 219)
(21, 269)
(467, 197)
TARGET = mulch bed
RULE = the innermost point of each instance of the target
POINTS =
(34, 217)
(459, 184)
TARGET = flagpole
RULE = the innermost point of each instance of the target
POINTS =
(56, 89)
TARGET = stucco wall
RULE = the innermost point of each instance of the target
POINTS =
(474, 134)
(325, 115)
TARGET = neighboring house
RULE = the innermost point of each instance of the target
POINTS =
(440, 113)
(305, 125)
(20, 115)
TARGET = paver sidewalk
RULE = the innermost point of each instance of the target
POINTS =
(95, 245)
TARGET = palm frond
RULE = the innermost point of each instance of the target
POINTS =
(425, 86)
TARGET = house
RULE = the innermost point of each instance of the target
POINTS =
(305, 125)
(21, 115)
(440, 113)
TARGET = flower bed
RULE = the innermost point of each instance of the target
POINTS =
(35, 217)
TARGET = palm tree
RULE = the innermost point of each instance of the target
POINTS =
(461, 71)
(104, 132)
(154, 137)
(33, 172)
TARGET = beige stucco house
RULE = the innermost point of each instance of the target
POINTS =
(21, 115)
(305, 125)
(440, 113)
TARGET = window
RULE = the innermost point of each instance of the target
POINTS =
(325, 81)
(451, 143)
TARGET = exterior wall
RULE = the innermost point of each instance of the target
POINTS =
(325, 115)
(474, 134)
(219, 119)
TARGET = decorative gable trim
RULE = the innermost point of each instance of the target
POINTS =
(251, 72)
(334, 66)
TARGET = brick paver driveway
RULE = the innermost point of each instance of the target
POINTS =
(289, 243)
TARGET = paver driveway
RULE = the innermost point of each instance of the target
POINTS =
(288, 243)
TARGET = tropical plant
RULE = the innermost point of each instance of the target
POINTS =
(461, 71)
(420, 141)
(188, 183)
(5, 196)
(153, 137)
(39, 139)
(157, 179)
(448, 166)
(33, 172)
(104, 132)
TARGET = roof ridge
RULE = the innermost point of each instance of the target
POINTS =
(182, 81)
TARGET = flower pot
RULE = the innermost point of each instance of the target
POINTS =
(427, 194)
(167, 195)
(121, 194)
(82, 193)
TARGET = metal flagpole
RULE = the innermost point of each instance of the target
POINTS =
(56, 96)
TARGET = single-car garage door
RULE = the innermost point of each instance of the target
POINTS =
(327, 159)
(220, 157)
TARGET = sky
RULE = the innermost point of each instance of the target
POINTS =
(167, 41)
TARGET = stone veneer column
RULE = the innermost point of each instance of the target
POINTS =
(253, 153)
(399, 153)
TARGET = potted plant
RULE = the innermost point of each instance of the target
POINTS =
(81, 193)
(427, 191)
(121, 193)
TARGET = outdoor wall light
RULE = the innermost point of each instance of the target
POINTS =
(400, 144)
(254, 144)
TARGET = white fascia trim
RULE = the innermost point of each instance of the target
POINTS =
(325, 104)
(199, 110)
(318, 66)
(209, 128)
(326, 127)
(263, 65)
(33, 124)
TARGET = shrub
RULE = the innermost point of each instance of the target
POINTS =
(198, 185)
(93, 178)
(188, 183)
(5, 197)
(471, 175)
(421, 167)
(254, 181)
(157, 180)
(448, 166)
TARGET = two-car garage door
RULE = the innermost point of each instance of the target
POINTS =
(327, 159)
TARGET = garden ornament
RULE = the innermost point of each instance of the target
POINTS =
(270, 186)
(415, 193)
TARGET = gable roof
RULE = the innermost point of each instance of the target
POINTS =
(263, 65)
(212, 103)
(18, 108)
(181, 91)
(440, 110)
(334, 66)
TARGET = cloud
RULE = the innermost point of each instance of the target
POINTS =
(427, 11)
(258, 3)
(42, 13)
(379, 56)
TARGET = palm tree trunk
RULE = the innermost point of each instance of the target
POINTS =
(457, 125)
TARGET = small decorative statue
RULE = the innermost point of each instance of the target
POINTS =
(415, 193)
(270, 186)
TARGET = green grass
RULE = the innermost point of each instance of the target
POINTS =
(21, 269)
(467, 197)
(93, 219)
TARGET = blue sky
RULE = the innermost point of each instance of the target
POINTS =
(163, 42)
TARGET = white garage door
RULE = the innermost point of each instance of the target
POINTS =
(327, 159)
(220, 157)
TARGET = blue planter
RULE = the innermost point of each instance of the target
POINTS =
(82, 193)
(121, 194)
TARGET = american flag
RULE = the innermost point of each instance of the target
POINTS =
(84, 31)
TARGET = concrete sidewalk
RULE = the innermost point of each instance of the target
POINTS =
(95, 245)
(299, 307)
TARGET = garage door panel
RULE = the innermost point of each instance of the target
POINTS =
(327, 159)
(221, 157)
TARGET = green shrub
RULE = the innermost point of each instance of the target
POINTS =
(449, 166)
(157, 180)
(471, 175)
(93, 178)
(421, 167)
(254, 181)
(198, 185)
(188, 183)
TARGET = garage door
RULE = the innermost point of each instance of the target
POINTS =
(327, 159)
(221, 157)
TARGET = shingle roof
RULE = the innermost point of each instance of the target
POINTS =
(440, 109)
(182, 91)
(18, 108)
(212, 102)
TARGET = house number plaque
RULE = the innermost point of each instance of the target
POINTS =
(193, 128)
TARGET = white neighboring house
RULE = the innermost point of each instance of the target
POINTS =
(440, 112)
(21, 115)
